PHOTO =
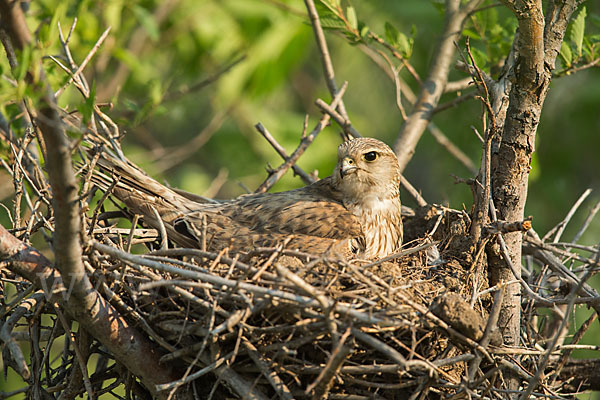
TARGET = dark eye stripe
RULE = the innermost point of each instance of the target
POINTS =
(370, 156)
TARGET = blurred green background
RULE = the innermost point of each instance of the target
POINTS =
(203, 140)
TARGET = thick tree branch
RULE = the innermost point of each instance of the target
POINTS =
(511, 161)
(83, 302)
(67, 246)
(433, 87)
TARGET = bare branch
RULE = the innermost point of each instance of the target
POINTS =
(433, 86)
(324, 53)
(306, 178)
(274, 176)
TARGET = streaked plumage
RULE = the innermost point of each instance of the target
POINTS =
(355, 212)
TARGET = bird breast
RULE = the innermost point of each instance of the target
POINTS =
(382, 225)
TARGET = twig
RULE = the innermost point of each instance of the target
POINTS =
(435, 131)
(451, 148)
(325, 58)
(84, 63)
(260, 291)
(396, 55)
(457, 86)
(517, 275)
(483, 191)
(553, 249)
(576, 338)
(413, 192)
(322, 384)
(275, 175)
(119, 337)
(6, 334)
(129, 242)
(560, 227)
(343, 123)
(171, 157)
(433, 86)
(489, 328)
(67, 247)
(135, 46)
(442, 324)
(395, 72)
(185, 90)
(81, 361)
(393, 354)
(324, 302)
(161, 228)
(306, 178)
(209, 368)
(541, 366)
(276, 382)
(454, 102)
(587, 222)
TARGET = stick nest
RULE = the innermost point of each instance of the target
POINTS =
(300, 325)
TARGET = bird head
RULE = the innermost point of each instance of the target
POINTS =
(366, 168)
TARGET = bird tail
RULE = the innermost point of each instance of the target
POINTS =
(158, 204)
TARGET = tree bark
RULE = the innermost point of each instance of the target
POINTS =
(538, 45)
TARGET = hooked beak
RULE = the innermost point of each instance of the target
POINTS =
(348, 167)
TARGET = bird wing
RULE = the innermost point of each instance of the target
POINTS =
(311, 213)
(312, 210)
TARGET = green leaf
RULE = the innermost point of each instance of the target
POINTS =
(391, 34)
(405, 45)
(399, 40)
(472, 34)
(332, 5)
(48, 32)
(23, 63)
(331, 22)
(481, 58)
(566, 54)
(351, 15)
(488, 19)
(578, 30)
(439, 5)
(364, 31)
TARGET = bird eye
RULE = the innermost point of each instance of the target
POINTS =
(370, 156)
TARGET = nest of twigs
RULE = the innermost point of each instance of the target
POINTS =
(299, 325)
